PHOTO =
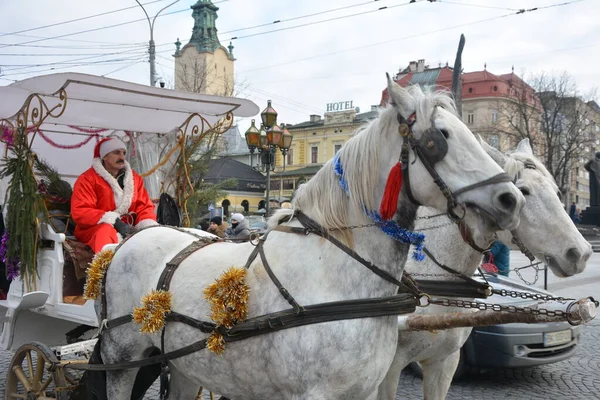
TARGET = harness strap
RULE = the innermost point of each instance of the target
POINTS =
(467, 237)
(325, 312)
(517, 241)
(103, 289)
(164, 282)
(404, 160)
(313, 227)
(451, 289)
(283, 291)
(480, 287)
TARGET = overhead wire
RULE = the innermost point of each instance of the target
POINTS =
(405, 37)
(521, 11)
(77, 19)
(294, 18)
(97, 29)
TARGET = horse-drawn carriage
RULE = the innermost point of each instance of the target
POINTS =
(315, 299)
(62, 117)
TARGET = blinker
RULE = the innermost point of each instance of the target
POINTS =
(433, 145)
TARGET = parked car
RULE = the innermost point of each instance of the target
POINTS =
(258, 224)
(515, 345)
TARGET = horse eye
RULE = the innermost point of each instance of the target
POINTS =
(529, 166)
(445, 133)
(525, 191)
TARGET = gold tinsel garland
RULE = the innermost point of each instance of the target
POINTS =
(228, 297)
(151, 315)
(95, 274)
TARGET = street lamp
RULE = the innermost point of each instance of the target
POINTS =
(266, 141)
(151, 47)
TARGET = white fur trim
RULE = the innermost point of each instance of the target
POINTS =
(111, 145)
(109, 217)
(145, 223)
(123, 197)
(119, 237)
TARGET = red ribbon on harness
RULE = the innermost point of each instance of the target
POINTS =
(389, 202)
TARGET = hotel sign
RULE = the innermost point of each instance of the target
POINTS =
(339, 106)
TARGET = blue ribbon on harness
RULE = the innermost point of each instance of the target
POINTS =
(390, 227)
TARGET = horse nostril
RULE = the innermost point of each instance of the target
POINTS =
(508, 201)
(573, 255)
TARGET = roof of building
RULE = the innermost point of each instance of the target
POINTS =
(235, 144)
(362, 117)
(310, 170)
(248, 180)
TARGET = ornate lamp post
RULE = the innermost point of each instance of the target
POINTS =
(265, 141)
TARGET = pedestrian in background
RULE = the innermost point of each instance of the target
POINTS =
(217, 227)
(501, 257)
(240, 227)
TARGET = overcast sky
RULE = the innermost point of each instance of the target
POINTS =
(320, 52)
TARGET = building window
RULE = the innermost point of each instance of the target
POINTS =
(494, 142)
(288, 184)
(275, 184)
(314, 154)
(290, 157)
(494, 117)
(336, 148)
(470, 118)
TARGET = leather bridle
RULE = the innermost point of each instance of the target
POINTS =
(431, 148)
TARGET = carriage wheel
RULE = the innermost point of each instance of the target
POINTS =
(30, 376)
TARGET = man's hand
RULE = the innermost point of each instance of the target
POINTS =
(123, 228)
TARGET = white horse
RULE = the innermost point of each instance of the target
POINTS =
(545, 229)
(333, 360)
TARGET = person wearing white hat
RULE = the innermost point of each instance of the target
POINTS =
(240, 227)
(109, 200)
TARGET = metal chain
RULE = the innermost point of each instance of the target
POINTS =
(499, 307)
(433, 275)
(432, 216)
(353, 227)
(526, 295)
(449, 222)
(532, 265)
(416, 218)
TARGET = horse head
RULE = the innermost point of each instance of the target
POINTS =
(444, 166)
(545, 229)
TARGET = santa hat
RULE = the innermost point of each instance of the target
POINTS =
(107, 145)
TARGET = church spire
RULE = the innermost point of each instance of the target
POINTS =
(204, 34)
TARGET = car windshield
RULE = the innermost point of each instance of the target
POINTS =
(256, 222)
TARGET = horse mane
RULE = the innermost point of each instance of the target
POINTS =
(323, 194)
(515, 164)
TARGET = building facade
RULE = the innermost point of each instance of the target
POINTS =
(315, 142)
(203, 65)
(488, 100)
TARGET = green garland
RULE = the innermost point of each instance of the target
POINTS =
(24, 204)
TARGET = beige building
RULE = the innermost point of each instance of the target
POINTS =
(204, 65)
(315, 142)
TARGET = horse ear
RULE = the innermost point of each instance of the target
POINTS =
(492, 152)
(524, 147)
(400, 98)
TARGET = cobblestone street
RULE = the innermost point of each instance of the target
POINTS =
(575, 378)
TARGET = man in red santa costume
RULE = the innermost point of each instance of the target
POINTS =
(109, 200)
